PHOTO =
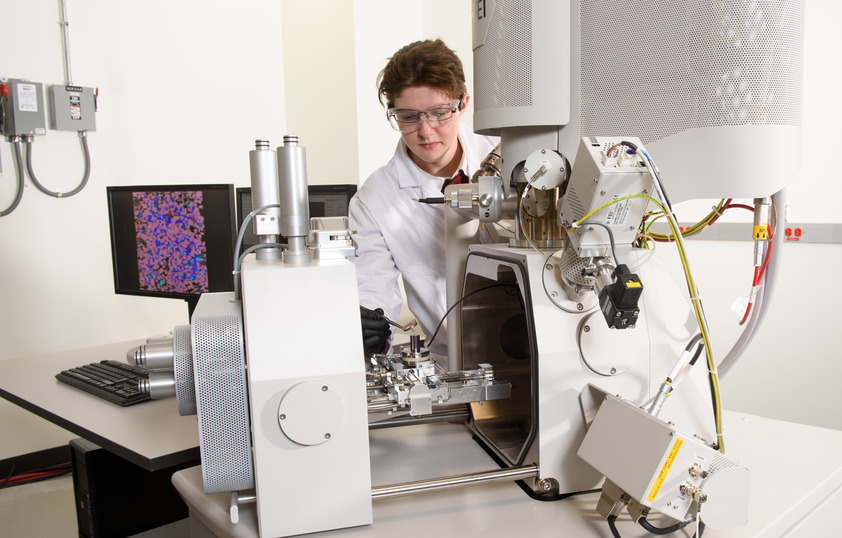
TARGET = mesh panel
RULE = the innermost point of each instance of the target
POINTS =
(185, 389)
(666, 67)
(221, 394)
(720, 463)
(506, 59)
(573, 267)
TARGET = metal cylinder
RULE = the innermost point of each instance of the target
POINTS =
(153, 356)
(265, 190)
(159, 385)
(295, 202)
(437, 484)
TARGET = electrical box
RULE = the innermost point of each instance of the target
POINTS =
(22, 108)
(72, 108)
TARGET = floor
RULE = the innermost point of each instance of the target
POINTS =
(47, 508)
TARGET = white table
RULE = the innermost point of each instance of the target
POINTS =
(796, 489)
(151, 434)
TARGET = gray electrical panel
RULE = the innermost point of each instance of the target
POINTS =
(23, 109)
(72, 108)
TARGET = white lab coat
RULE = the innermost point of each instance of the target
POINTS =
(395, 235)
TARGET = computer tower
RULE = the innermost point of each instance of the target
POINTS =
(115, 497)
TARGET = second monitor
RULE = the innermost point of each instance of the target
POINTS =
(325, 201)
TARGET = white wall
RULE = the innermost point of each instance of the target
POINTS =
(185, 89)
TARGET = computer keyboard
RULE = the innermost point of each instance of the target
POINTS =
(111, 380)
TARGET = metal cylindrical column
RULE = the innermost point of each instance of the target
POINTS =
(265, 191)
(295, 202)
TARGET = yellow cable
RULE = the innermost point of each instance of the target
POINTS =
(695, 301)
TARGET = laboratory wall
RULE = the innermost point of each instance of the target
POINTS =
(184, 90)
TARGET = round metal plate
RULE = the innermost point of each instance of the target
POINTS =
(310, 413)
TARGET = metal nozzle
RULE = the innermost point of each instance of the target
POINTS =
(157, 356)
(159, 385)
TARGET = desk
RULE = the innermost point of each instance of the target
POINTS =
(796, 489)
(151, 435)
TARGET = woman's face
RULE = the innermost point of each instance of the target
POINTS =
(434, 146)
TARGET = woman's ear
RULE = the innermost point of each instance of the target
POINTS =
(465, 100)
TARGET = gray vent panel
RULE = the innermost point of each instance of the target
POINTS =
(506, 58)
(221, 394)
(662, 68)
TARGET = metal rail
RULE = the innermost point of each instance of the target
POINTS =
(452, 482)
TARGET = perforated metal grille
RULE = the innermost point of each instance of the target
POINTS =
(221, 394)
(185, 389)
(506, 58)
(665, 67)
(573, 267)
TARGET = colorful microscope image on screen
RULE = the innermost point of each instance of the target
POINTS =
(170, 234)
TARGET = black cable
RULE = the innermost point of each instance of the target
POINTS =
(54, 474)
(614, 532)
(19, 187)
(11, 473)
(665, 530)
(697, 354)
(457, 303)
(48, 192)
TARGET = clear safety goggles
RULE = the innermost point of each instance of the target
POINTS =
(407, 120)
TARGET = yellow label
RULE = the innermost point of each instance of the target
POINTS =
(665, 470)
(761, 233)
(633, 284)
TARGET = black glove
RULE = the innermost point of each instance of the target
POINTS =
(375, 330)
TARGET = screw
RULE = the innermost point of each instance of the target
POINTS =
(283, 417)
(554, 294)
(587, 328)
(327, 436)
(580, 306)
(324, 388)
(549, 267)
(613, 371)
(545, 485)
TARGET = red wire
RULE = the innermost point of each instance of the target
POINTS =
(754, 283)
(759, 272)
(35, 476)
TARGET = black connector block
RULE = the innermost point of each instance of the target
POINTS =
(618, 301)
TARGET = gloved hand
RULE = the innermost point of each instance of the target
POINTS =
(375, 330)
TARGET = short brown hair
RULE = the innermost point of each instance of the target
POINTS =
(422, 63)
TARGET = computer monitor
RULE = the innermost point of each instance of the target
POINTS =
(325, 201)
(174, 241)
